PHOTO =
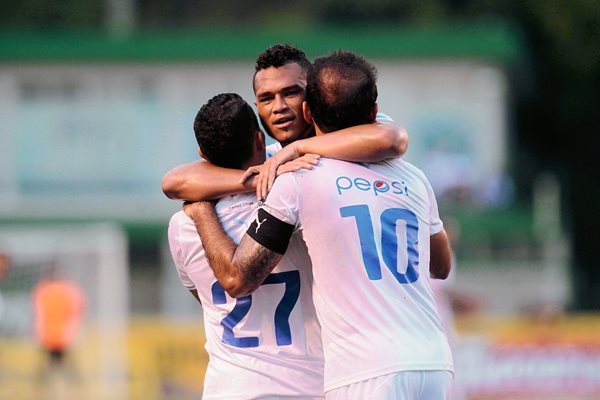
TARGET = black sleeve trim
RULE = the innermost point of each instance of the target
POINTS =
(271, 232)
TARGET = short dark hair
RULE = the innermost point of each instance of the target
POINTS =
(225, 128)
(279, 55)
(341, 91)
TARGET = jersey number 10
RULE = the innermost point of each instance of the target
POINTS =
(389, 241)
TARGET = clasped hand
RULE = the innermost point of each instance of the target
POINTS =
(287, 160)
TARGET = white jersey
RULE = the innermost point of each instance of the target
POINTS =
(262, 345)
(273, 149)
(367, 228)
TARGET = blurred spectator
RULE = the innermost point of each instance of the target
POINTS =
(58, 307)
(4, 265)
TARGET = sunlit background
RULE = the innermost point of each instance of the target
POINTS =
(502, 103)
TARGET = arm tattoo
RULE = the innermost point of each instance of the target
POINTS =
(243, 267)
(255, 262)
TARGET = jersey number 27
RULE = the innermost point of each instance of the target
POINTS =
(283, 335)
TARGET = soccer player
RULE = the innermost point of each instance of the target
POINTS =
(374, 236)
(279, 85)
(266, 345)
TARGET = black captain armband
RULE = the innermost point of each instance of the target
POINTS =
(270, 232)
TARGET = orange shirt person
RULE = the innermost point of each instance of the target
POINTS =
(4, 265)
(58, 306)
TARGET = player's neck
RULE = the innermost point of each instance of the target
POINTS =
(256, 159)
(309, 132)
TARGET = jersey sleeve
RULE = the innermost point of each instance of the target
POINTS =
(277, 218)
(176, 250)
(283, 199)
(271, 232)
(434, 216)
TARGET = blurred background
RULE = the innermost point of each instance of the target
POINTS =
(97, 99)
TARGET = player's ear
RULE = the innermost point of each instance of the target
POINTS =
(374, 112)
(306, 112)
(201, 154)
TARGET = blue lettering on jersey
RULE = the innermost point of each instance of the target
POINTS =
(389, 241)
(283, 334)
(377, 186)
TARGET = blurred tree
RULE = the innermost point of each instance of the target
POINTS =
(44, 14)
(344, 12)
(559, 124)
(226, 13)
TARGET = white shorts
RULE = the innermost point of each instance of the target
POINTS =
(405, 385)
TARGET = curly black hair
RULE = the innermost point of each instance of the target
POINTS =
(225, 127)
(341, 91)
(279, 55)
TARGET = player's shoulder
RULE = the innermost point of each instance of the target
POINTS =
(273, 149)
(178, 218)
(402, 164)
(383, 117)
(179, 224)
(286, 184)
(328, 167)
(327, 163)
(175, 224)
(236, 204)
(335, 166)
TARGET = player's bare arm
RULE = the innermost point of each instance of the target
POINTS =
(238, 272)
(217, 244)
(363, 143)
(254, 263)
(441, 255)
(194, 293)
(201, 180)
